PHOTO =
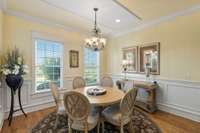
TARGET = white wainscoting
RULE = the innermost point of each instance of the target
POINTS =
(174, 96)
(178, 97)
(1, 106)
(32, 101)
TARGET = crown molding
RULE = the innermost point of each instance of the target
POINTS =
(125, 8)
(108, 29)
(148, 24)
(109, 35)
(43, 21)
(48, 22)
(3, 5)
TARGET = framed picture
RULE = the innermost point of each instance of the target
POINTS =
(149, 58)
(130, 55)
(74, 58)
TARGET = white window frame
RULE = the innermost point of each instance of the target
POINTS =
(39, 36)
(98, 67)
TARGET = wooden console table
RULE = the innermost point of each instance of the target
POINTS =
(150, 88)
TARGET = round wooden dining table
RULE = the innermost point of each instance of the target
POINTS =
(112, 96)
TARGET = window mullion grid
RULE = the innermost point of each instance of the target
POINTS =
(47, 55)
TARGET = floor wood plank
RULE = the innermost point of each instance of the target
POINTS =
(167, 122)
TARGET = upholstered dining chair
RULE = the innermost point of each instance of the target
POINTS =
(60, 109)
(78, 82)
(121, 115)
(106, 81)
(80, 115)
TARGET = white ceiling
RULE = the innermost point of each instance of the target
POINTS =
(108, 12)
(79, 14)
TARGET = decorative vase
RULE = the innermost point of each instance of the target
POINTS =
(14, 81)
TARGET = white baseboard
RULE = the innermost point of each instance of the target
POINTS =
(32, 108)
(195, 116)
(27, 109)
(1, 120)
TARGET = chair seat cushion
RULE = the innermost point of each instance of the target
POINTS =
(92, 121)
(113, 115)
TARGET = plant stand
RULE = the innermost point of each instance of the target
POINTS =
(12, 111)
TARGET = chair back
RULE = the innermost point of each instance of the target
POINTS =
(78, 82)
(54, 91)
(106, 81)
(128, 102)
(77, 106)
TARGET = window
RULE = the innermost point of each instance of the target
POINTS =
(91, 66)
(48, 64)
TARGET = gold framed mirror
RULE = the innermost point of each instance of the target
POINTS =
(149, 58)
(130, 57)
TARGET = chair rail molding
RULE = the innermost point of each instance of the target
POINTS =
(179, 97)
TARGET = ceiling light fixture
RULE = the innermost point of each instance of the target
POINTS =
(117, 20)
(96, 42)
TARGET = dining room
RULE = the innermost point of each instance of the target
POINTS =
(99, 66)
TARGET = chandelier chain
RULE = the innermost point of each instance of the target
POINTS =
(96, 42)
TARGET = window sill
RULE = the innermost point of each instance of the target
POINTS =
(43, 93)
(96, 84)
(46, 92)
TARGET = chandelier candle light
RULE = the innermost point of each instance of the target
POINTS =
(96, 42)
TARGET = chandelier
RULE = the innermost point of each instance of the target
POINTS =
(96, 42)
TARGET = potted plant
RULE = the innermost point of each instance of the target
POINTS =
(13, 68)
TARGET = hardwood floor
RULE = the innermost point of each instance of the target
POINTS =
(167, 122)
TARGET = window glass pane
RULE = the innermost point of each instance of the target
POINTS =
(40, 53)
(56, 54)
(48, 64)
(91, 70)
(49, 53)
(40, 61)
(40, 45)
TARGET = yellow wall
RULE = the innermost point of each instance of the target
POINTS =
(180, 47)
(19, 33)
(1, 30)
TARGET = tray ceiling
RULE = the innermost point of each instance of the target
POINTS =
(79, 15)
(108, 12)
(153, 9)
